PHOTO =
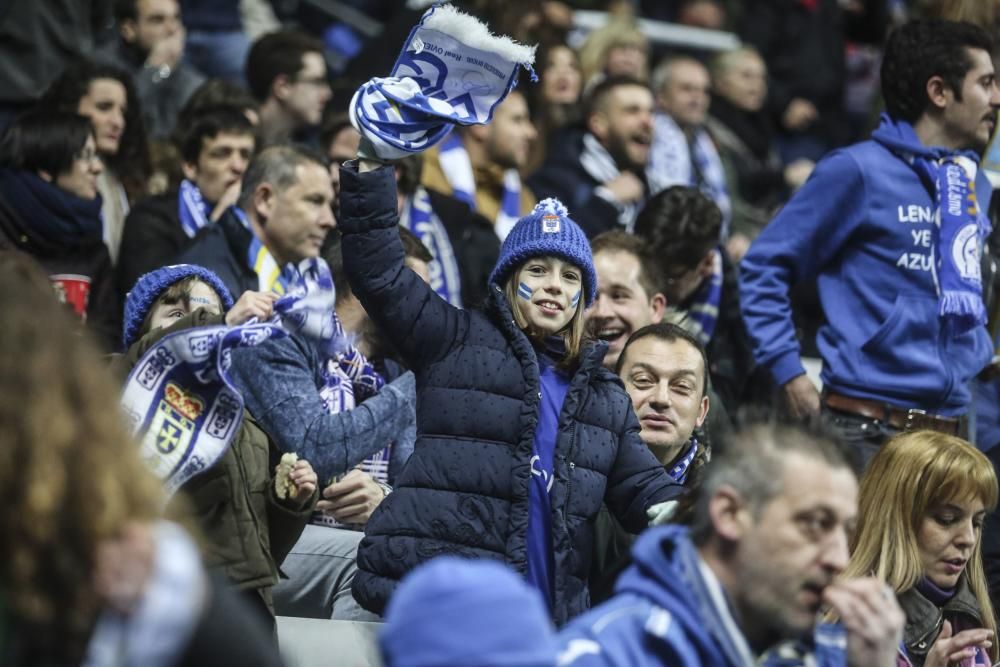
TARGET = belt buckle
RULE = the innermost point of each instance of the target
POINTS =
(914, 419)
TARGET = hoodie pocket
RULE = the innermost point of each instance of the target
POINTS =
(902, 358)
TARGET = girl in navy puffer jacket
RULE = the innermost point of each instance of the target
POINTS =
(522, 434)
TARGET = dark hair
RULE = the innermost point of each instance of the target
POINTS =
(618, 240)
(209, 125)
(332, 252)
(43, 140)
(680, 225)
(131, 163)
(751, 461)
(126, 10)
(275, 54)
(597, 97)
(216, 93)
(670, 332)
(331, 126)
(413, 247)
(276, 165)
(919, 50)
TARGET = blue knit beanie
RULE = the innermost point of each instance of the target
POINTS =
(455, 611)
(150, 286)
(547, 231)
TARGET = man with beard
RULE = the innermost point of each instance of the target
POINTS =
(480, 165)
(891, 229)
(744, 584)
(599, 173)
(286, 73)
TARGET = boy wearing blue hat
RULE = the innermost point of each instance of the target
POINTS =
(522, 431)
(247, 529)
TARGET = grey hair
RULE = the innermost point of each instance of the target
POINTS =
(276, 166)
(751, 461)
(661, 75)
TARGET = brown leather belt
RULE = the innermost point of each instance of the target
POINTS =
(901, 418)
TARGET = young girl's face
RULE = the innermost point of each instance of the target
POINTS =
(200, 295)
(548, 293)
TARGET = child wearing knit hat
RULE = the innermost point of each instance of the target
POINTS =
(247, 529)
(523, 434)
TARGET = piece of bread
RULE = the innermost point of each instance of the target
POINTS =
(283, 485)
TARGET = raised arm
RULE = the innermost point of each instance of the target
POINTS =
(418, 322)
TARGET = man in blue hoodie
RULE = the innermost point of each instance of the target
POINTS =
(744, 585)
(891, 229)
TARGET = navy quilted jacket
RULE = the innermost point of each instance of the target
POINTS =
(464, 490)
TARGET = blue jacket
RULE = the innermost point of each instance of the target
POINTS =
(861, 225)
(464, 490)
(662, 614)
(280, 381)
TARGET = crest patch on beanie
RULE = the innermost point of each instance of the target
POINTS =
(551, 224)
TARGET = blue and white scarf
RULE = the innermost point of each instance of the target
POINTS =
(451, 70)
(457, 168)
(703, 312)
(673, 162)
(679, 471)
(601, 167)
(192, 209)
(960, 228)
(271, 277)
(182, 403)
(419, 218)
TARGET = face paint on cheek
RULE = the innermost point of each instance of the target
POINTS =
(524, 291)
(576, 299)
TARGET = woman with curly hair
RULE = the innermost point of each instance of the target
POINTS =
(921, 508)
(105, 94)
(89, 572)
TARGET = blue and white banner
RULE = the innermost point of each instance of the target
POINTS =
(182, 403)
(451, 70)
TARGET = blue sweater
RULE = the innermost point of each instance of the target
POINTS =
(861, 225)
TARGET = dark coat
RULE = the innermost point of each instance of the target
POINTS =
(474, 243)
(152, 238)
(465, 489)
(222, 247)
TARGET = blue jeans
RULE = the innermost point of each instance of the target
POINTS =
(861, 436)
(218, 54)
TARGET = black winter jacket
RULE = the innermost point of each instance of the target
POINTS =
(464, 490)
(222, 247)
(152, 238)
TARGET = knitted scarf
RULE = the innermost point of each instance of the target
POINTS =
(600, 166)
(419, 218)
(270, 276)
(703, 311)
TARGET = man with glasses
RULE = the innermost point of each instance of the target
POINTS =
(287, 74)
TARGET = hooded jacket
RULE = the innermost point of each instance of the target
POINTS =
(862, 226)
(663, 613)
(62, 233)
(464, 490)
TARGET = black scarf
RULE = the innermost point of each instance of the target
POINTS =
(48, 216)
(752, 127)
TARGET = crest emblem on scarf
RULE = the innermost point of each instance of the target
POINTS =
(965, 253)
(174, 422)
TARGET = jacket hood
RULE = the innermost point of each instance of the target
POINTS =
(900, 137)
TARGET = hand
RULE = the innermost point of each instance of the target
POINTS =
(352, 499)
(801, 397)
(626, 187)
(167, 51)
(123, 566)
(872, 617)
(304, 478)
(737, 246)
(228, 198)
(797, 172)
(250, 305)
(948, 649)
(799, 114)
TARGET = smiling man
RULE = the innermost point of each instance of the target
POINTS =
(600, 172)
(745, 584)
(215, 148)
(885, 227)
(283, 215)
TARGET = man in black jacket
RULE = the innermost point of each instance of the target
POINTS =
(215, 150)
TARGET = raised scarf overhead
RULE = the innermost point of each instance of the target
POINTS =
(675, 161)
(419, 217)
(451, 70)
(960, 227)
(458, 171)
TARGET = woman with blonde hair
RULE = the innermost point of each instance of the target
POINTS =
(922, 503)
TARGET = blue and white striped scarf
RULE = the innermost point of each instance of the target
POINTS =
(451, 70)
(192, 209)
(679, 471)
(271, 277)
(457, 168)
(419, 218)
(703, 313)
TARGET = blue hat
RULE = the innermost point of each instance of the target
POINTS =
(455, 611)
(547, 230)
(150, 286)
